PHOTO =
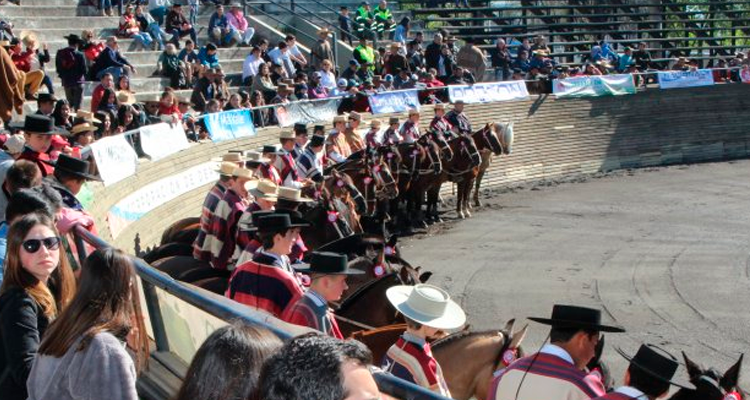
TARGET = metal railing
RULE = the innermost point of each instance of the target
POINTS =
(227, 310)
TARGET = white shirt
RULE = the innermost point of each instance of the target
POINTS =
(152, 4)
(632, 392)
(327, 79)
(251, 65)
(557, 351)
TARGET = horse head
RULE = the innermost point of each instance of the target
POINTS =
(709, 383)
(438, 138)
(511, 349)
(467, 147)
(430, 150)
(489, 139)
(340, 183)
(386, 186)
(504, 132)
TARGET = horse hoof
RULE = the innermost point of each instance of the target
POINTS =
(477, 203)
(468, 214)
(461, 215)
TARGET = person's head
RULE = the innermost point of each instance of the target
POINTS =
(104, 126)
(363, 41)
(353, 64)
(139, 9)
(344, 10)
(523, 55)
(107, 81)
(445, 50)
(290, 40)
(628, 51)
(255, 51)
(326, 65)
(500, 43)
(33, 258)
(219, 10)
(276, 233)
(414, 116)
(61, 111)
(438, 38)
(23, 174)
(235, 100)
(256, 98)
(112, 42)
(263, 69)
(213, 106)
(107, 300)
(228, 364)
(211, 49)
(579, 343)
(87, 35)
(439, 110)
(642, 46)
(319, 367)
(46, 103)
(283, 47)
(328, 273)
(652, 370)
(637, 378)
(419, 37)
(73, 40)
(263, 44)
(28, 201)
(383, 4)
(38, 142)
(85, 138)
(339, 123)
(125, 115)
(189, 45)
(355, 119)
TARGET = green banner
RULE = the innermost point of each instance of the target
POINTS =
(595, 85)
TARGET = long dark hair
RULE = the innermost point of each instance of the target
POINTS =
(228, 363)
(107, 301)
(61, 279)
(57, 113)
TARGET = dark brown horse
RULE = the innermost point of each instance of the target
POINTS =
(368, 307)
(465, 161)
(488, 144)
(468, 359)
(181, 231)
(383, 265)
(710, 384)
(372, 176)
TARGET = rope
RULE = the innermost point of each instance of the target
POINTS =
(355, 323)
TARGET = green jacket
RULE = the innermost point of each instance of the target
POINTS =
(383, 15)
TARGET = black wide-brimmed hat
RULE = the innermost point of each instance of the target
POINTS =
(658, 363)
(300, 128)
(276, 222)
(249, 223)
(295, 216)
(564, 316)
(317, 140)
(73, 166)
(327, 263)
(39, 124)
(271, 149)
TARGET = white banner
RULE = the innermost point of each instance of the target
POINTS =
(683, 79)
(115, 158)
(161, 140)
(595, 85)
(487, 92)
(137, 204)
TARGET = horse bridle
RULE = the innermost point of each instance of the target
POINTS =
(492, 145)
(506, 356)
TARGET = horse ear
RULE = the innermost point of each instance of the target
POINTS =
(732, 376)
(694, 370)
(509, 326)
(518, 337)
(424, 277)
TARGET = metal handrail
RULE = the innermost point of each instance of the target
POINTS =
(227, 310)
(259, 11)
(326, 6)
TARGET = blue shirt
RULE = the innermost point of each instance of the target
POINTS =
(3, 246)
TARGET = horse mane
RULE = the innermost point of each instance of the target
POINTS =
(364, 289)
(453, 337)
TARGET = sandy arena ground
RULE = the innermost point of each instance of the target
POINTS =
(664, 252)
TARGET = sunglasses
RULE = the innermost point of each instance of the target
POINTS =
(33, 245)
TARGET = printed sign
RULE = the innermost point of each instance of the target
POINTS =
(487, 92)
(392, 102)
(139, 203)
(229, 125)
(115, 158)
(683, 79)
(307, 112)
(596, 85)
(161, 140)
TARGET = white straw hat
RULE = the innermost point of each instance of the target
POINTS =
(427, 304)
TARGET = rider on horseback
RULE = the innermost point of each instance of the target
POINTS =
(391, 135)
(410, 128)
(440, 123)
(458, 119)
(337, 148)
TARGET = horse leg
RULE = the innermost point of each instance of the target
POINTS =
(465, 199)
(460, 194)
(477, 185)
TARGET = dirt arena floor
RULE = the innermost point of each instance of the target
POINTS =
(663, 252)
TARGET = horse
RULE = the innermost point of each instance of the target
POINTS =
(372, 176)
(182, 231)
(368, 307)
(468, 359)
(488, 144)
(710, 384)
(336, 213)
(374, 268)
(466, 160)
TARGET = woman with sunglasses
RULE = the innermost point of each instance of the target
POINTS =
(37, 285)
(83, 354)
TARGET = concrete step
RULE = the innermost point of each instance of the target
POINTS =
(49, 3)
(145, 57)
(144, 82)
(44, 10)
(69, 23)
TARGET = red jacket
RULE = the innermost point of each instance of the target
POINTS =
(96, 97)
(23, 60)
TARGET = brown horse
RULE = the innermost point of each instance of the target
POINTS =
(488, 142)
(466, 160)
(368, 307)
(181, 231)
(379, 266)
(468, 359)
(372, 176)
(710, 384)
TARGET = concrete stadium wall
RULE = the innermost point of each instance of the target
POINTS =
(553, 138)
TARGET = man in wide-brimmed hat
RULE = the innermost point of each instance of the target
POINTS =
(38, 131)
(410, 129)
(427, 310)
(214, 196)
(440, 123)
(328, 273)
(285, 162)
(337, 148)
(268, 170)
(371, 137)
(391, 136)
(222, 231)
(68, 179)
(45, 104)
(649, 375)
(300, 139)
(81, 135)
(310, 162)
(71, 67)
(321, 50)
(458, 118)
(558, 371)
(351, 132)
(268, 282)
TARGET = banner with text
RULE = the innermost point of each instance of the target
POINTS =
(161, 140)
(139, 203)
(683, 79)
(115, 158)
(596, 85)
(487, 92)
(229, 125)
(392, 102)
(307, 112)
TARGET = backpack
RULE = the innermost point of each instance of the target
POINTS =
(67, 59)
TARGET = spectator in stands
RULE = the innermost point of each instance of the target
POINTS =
(316, 90)
(233, 103)
(22, 61)
(433, 51)
(45, 104)
(251, 65)
(239, 23)
(172, 68)
(332, 370)
(364, 73)
(71, 67)
(596, 54)
(460, 77)
(364, 21)
(281, 56)
(625, 61)
(148, 24)
(207, 56)
(446, 63)
(340, 89)
(262, 82)
(282, 94)
(189, 57)
(104, 127)
(126, 118)
(124, 94)
(720, 73)
(130, 28)
(642, 57)
(321, 50)
(62, 116)
(68, 179)
(22, 202)
(88, 344)
(261, 116)
(228, 364)
(415, 56)
(540, 43)
(28, 303)
(542, 62)
(158, 9)
(327, 76)
(179, 26)
(401, 33)
(17, 175)
(345, 24)
(168, 106)
(38, 132)
(39, 58)
(109, 104)
(395, 60)
(383, 19)
(364, 53)
(90, 46)
(219, 29)
(278, 73)
(522, 62)
(472, 59)
(591, 70)
(111, 61)
(106, 82)
(299, 60)
(220, 88)
(682, 64)
(351, 72)
(608, 53)
(501, 60)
